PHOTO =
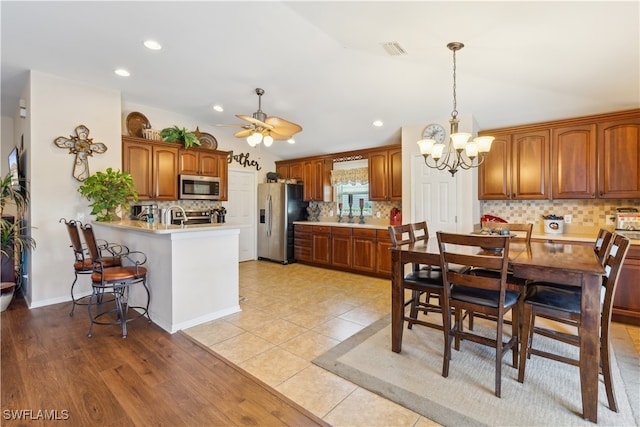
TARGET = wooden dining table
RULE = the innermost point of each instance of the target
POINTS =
(566, 263)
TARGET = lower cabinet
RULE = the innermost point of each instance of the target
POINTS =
(360, 250)
(626, 302)
(302, 243)
(321, 244)
(364, 249)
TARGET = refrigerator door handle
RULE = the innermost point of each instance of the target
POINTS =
(269, 212)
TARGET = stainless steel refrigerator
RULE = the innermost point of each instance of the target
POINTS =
(279, 205)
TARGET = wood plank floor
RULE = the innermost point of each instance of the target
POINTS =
(50, 368)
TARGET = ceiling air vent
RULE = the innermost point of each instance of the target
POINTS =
(394, 48)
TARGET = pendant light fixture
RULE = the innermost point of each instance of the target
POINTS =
(458, 152)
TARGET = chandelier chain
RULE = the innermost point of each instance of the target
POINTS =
(454, 113)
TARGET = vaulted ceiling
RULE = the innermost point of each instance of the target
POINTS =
(323, 66)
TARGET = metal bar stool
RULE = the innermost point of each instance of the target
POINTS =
(117, 280)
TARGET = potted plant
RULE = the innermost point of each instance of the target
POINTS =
(13, 237)
(108, 191)
(183, 135)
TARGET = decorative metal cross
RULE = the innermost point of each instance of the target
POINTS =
(82, 146)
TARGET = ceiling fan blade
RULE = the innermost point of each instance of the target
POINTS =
(254, 121)
(243, 133)
(283, 126)
(234, 125)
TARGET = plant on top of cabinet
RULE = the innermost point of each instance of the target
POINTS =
(180, 134)
(107, 191)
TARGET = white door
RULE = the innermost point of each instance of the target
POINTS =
(241, 209)
(435, 197)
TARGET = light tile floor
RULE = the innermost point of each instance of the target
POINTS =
(292, 314)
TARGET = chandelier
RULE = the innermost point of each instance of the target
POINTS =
(459, 152)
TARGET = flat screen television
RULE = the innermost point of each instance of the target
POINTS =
(14, 168)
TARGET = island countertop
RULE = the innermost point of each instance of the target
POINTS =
(153, 227)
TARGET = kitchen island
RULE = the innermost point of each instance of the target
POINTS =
(193, 270)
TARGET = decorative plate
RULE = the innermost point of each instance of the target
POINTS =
(135, 123)
(208, 141)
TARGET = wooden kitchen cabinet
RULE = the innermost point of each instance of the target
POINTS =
(573, 162)
(364, 249)
(619, 158)
(585, 157)
(626, 302)
(383, 255)
(193, 162)
(341, 247)
(321, 244)
(302, 242)
(313, 180)
(289, 169)
(385, 174)
(516, 168)
(153, 166)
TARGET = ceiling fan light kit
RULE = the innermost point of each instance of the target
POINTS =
(266, 129)
(459, 152)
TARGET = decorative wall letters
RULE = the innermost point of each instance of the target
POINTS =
(243, 159)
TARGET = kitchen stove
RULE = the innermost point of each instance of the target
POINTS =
(193, 216)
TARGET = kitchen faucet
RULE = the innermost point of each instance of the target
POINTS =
(167, 215)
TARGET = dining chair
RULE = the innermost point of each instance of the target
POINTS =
(478, 294)
(83, 264)
(420, 281)
(117, 280)
(562, 304)
(602, 243)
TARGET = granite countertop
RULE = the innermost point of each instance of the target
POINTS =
(344, 224)
(153, 227)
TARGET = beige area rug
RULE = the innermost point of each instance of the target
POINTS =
(550, 395)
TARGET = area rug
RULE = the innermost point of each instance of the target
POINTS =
(550, 395)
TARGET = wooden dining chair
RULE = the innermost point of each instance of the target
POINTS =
(464, 292)
(562, 304)
(422, 283)
(601, 246)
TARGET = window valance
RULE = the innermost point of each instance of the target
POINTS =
(350, 176)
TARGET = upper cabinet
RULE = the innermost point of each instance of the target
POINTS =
(385, 174)
(586, 157)
(573, 167)
(315, 174)
(516, 167)
(619, 158)
(153, 166)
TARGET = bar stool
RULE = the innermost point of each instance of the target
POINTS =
(83, 264)
(117, 280)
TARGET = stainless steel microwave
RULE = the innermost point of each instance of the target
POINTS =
(197, 187)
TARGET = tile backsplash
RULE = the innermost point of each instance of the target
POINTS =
(587, 213)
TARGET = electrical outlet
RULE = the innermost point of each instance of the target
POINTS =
(377, 214)
(567, 219)
(610, 220)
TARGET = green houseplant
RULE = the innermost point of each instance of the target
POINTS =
(180, 134)
(14, 238)
(107, 191)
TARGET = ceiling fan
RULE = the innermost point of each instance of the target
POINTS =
(265, 129)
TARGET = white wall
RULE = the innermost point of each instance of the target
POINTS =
(57, 106)
(468, 205)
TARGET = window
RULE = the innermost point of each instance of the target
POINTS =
(351, 180)
(358, 192)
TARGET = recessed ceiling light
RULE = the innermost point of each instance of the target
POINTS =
(218, 108)
(122, 72)
(152, 44)
(378, 123)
